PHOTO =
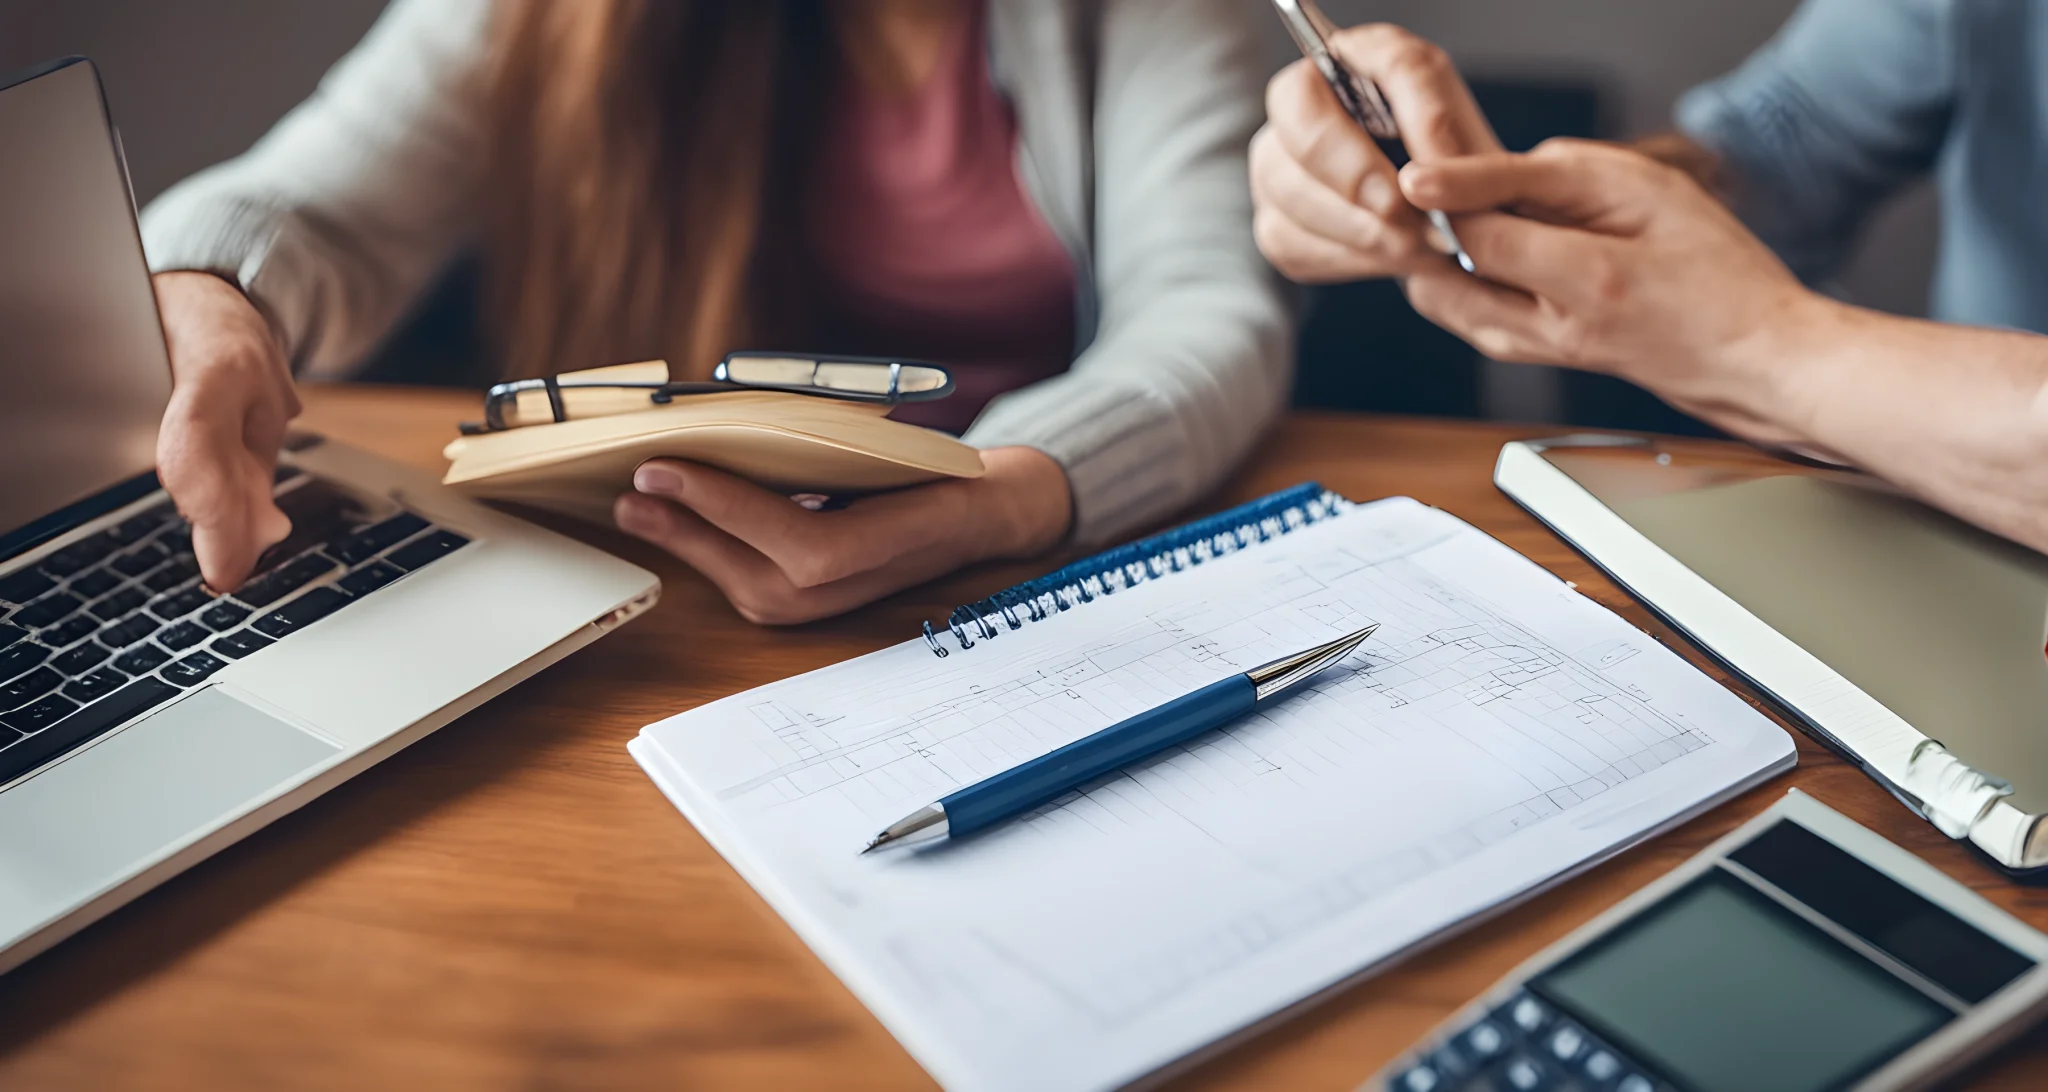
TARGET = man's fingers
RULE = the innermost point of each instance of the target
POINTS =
(1308, 258)
(1438, 116)
(1394, 236)
(1500, 322)
(1307, 126)
(1581, 183)
(1567, 186)
(1575, 269)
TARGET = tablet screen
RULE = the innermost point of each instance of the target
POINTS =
(1938, 621)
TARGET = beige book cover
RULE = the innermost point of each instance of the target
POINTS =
(790, 443)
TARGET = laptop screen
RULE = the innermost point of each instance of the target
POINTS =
(83, 372)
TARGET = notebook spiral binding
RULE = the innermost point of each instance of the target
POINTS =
(1128, 566)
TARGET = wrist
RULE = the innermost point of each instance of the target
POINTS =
(220, 302)
(1023, 503)
(1789, 362)
(1746, 382)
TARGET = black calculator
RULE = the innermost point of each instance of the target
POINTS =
(1801, 953)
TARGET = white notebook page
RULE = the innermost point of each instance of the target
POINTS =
(1498, 731)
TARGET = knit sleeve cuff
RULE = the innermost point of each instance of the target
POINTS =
(1120, 446)
(233, 240)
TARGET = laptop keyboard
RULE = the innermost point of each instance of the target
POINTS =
(118, 623)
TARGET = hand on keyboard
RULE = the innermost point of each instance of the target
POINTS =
(232, 400)
(116, 622)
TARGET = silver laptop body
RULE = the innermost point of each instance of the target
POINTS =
(144, 723)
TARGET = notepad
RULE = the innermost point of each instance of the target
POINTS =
(1500, 732)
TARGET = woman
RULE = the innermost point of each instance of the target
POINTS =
(1047, 194)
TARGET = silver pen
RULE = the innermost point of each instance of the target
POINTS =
(1362, 99)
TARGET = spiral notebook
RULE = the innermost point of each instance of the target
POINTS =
(1111, 571)
(1500, 732)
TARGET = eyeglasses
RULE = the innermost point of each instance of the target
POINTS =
(628, 388)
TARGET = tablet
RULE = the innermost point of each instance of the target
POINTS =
(1903, 638)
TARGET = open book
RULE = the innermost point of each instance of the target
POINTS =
(787, 442)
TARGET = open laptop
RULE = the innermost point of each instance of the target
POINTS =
(144, 722)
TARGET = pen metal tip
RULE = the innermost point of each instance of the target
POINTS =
(1284, 674)
(929, 820)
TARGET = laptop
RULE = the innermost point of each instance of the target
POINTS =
(146, 723)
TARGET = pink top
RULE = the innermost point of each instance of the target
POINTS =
(924, 244)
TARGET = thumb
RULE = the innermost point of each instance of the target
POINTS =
(1575, 183)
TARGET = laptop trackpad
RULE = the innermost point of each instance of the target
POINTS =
(68, 833)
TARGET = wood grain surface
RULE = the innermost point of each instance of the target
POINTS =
(510, 904)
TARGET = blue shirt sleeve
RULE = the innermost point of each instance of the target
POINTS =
(1849, 102)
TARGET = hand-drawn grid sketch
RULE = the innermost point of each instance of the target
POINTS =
(1444, 661)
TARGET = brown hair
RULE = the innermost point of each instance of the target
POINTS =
(634, 146)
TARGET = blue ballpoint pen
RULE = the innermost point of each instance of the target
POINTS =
(1049, 776)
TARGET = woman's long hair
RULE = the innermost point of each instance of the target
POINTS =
(639, 155)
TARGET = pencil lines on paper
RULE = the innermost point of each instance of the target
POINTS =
(1448, 683)
(1498, 730)
(1439, 657)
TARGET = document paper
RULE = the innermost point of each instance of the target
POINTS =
(1497, 733)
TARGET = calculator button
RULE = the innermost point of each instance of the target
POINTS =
(1601, 1066)
(1420, 1079)
(1635, 1082)
(1448, 1063)
(1485, 1040)
(1566, 1043)
(1525, 1074)
(1528, 1014)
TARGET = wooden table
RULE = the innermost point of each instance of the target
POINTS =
(511, 904)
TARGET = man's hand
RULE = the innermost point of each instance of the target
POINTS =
(780, 563)
(1329, 207)
(1607, 261)
(231, 399)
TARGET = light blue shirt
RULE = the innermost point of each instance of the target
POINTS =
(1855, 98)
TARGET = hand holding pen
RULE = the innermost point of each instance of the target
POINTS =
(1329, 200)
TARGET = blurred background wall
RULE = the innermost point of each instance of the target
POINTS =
(195, 81)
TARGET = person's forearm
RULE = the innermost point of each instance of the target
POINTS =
(1956, 415)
